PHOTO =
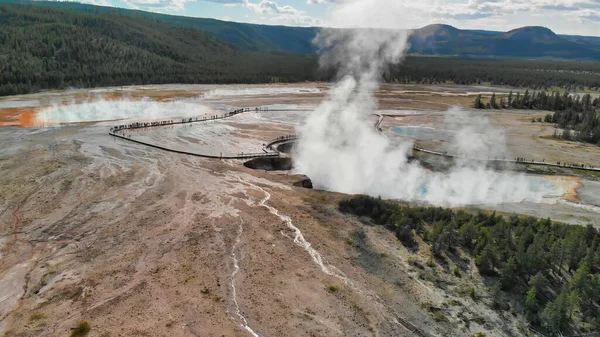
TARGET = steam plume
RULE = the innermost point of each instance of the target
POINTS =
(106, 110)
(340, 150)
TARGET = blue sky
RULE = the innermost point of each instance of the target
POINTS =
(580, 17)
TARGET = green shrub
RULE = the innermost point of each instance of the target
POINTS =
(472, 293)
(431, 262)
(438, 316)
(82, 329)
(37, 316)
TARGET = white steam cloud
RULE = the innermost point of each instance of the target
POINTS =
(107, 110)
(268, 91)
(340, 150)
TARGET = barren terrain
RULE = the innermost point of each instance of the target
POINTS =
(142, 242)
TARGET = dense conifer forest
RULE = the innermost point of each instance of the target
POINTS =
(43, 47)
(551, 269)
(520, 73)
(577, 115)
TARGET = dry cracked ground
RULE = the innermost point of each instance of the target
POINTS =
(138, 242)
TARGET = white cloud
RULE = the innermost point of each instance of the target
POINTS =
(271, 7)
(158, 5)
(566, 16)
(98, 3)
(226, 2)
(273, 13)
(475, 9)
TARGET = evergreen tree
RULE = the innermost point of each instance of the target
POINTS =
(485, 262)
(539, 282)
(531, 305)
(509, 274)
(555, 316)
(493, 102)
(478, 103)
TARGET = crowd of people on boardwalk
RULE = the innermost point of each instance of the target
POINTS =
(558, 163)
(523, 160)
(574, 165)
(287, 137)
(279, 139)
(520, 160)
(139, 125)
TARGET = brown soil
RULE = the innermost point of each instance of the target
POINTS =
(140, 242)
(91, 233)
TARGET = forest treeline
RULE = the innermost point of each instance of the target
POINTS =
(551, 268)
(45, 48)
(51, 48)
(519, 73)
(577, 115)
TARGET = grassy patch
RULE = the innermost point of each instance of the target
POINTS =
(332, 289)
(37, 316)
(472, 294)
(435, 312)
(82, 329)
(316, 198)
(414, 262)
(594, 173)
(431, 262)
(438, 316)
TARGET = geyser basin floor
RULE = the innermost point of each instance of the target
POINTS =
(250, 132)
(132, 239)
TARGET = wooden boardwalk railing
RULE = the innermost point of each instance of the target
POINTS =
(238, 156)
(280, 140)
(119, 132)
(512, 161)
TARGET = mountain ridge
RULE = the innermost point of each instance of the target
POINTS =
(431, 40)
(523, 42)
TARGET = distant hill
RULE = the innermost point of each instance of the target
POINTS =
(244, 36)
(42, 48)
(593, 41)
(436, 40)
(54, 45)
(526, 42)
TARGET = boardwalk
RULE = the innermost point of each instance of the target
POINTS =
(292, 138)
(143, 125)
(379, 121)
(119, 131)
(522, 161)
(281, 140)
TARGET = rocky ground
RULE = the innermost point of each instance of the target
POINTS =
(139, 242)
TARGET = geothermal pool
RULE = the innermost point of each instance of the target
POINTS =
(83, 116)
(423, 132)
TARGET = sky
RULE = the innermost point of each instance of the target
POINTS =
(577, 17)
